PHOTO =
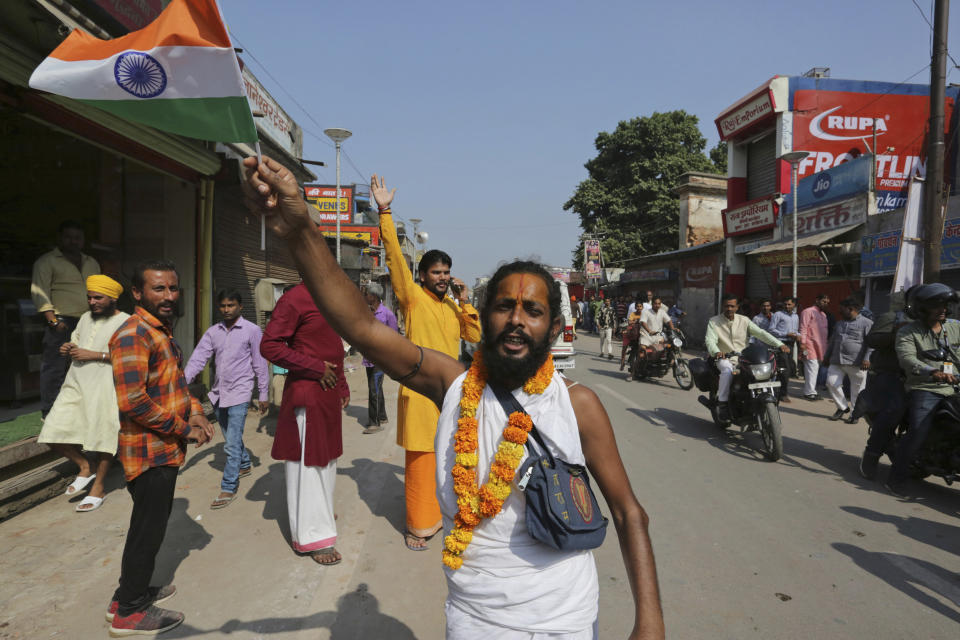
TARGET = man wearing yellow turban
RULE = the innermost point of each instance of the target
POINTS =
(84, 416)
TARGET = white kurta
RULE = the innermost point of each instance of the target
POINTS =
(86, 411)
(508, 579)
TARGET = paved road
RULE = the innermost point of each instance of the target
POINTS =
(802, 548)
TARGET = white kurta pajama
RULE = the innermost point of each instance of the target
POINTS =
(85, 411)
(310, 498)
(511, 586)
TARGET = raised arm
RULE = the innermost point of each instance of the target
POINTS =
(401, 279)
(631, 521)
(273, 193)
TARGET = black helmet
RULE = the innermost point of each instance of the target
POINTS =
(929, 295)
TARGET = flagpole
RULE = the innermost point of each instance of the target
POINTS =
(263, 219)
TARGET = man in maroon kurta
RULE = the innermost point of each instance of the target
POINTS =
(309, 436)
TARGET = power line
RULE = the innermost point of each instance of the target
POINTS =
(930, 24)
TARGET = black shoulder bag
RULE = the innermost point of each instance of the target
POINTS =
(562, 511)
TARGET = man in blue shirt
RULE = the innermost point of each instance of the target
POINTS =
(785, 325)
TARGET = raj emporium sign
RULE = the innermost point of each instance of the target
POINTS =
(749, 217)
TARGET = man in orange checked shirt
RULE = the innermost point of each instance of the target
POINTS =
(158, 416)
(434, 321)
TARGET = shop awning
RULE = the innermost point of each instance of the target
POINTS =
(814, 240)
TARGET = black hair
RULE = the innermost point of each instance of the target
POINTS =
(762, 300)
(790, 299)
(729, 296)
(151, 265)
(523, 266)
(656, 297)
(852, 303)
(69, 224)
(822, 295)
(431, 258)
(229, 294)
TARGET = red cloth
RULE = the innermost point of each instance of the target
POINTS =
(299, 339)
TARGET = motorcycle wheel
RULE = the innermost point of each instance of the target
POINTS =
(715, 413)
(770, 431)
(681, 373)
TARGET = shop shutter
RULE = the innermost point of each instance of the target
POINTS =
(759, 280)
(762, 167)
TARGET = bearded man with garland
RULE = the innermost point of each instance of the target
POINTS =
(502, 583)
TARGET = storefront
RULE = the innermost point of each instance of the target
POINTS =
(138, 193)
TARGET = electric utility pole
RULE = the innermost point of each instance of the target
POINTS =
(934, 189)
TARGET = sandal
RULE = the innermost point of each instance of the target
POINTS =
(221, 501)
(245, 472)
(79, 484)
(329, 552)
(90, 503)
(409, 537)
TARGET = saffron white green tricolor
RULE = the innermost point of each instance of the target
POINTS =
(178, 74)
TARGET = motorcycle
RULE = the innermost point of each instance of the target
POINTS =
(657, 363)
(754, 394)
(940, 453)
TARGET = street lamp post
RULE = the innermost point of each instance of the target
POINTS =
(338, 136)
(794, 158)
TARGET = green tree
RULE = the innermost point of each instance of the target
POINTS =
(628, 196)
(718, 155)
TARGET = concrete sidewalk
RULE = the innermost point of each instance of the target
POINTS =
(234, 569)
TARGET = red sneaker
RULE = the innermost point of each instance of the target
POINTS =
(149, 622)
(157, 595)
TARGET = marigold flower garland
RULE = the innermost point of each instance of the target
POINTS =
(475, 503)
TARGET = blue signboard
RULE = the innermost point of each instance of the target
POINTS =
(837, 183)
(878, 254)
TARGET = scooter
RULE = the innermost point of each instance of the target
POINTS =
(754, 394)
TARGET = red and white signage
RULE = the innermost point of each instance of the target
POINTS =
(754, 109)
(700, 273)
(836, 126)
(755, 215)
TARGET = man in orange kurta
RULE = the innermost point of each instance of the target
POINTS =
(433, 320)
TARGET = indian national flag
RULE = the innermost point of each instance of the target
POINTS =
(178, 74)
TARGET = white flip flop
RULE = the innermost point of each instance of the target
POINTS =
(79, 484)
(92, 501)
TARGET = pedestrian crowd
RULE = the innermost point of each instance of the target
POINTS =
(116, 386)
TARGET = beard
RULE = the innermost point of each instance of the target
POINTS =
(106, 311)
(509, 372)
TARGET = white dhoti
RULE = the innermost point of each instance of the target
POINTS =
(463, 626)
(310, 498)
(811, 368)
(648, 340)
(835, 375)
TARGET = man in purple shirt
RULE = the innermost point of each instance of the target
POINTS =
(234, 344)
(376, 409)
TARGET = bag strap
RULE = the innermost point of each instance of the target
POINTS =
(510, 404)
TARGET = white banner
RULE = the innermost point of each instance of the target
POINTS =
(910, 261)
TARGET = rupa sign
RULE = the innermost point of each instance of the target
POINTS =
(835, 119)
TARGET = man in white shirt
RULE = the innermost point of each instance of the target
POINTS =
(728, 333)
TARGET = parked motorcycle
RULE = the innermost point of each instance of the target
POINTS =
(657, 363)
(754, 394)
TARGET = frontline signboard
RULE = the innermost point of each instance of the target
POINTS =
(323, 198)
(836, 124)
(755, 215)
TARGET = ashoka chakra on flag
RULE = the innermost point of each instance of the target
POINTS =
(140, 74)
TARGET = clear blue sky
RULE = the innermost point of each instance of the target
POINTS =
(482, 114)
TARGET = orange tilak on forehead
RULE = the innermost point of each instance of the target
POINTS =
(520, 286)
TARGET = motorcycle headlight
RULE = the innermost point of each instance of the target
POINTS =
(761, 371)
(677, 342)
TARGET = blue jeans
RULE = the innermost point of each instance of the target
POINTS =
(231, 421)
(920, 405)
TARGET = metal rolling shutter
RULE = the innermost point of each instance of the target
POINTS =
(759, 280)
(762, 167)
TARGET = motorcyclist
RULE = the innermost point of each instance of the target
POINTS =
(727, 333)
(928, 379)
(884, 394)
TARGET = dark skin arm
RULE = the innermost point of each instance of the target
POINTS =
(272, 191)
(629, 518)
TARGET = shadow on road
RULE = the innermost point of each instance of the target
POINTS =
(270, 490)
(911, 576)
(936, 534)
(610, 373)
(380, 487)
(747, 445)
(357, 412)
(184, 534)
(216, 458)
(357, 616)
